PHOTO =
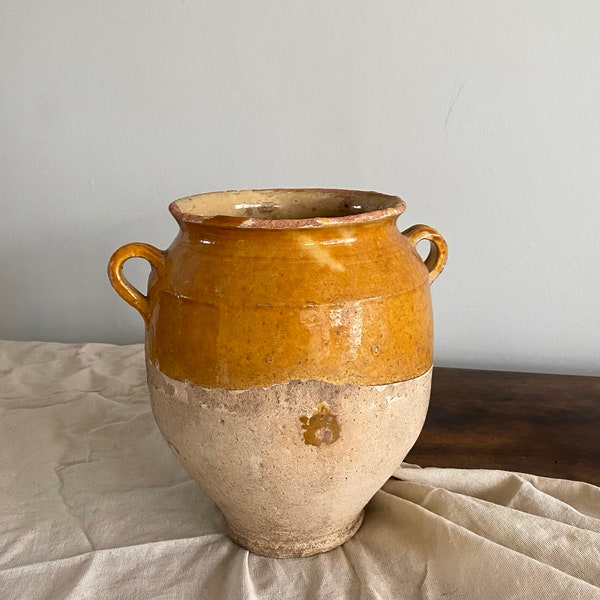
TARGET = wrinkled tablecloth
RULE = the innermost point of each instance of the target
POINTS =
(93, 505)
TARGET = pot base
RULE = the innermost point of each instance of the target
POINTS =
(292, 465)
(290, 548)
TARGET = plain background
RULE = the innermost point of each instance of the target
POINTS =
(483, 115)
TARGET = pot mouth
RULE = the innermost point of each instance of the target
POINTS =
(285, 208)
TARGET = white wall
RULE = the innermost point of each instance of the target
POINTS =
(484, 116)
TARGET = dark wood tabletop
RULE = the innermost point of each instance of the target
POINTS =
(527, 422)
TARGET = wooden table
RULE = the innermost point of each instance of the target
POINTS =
(541, 424)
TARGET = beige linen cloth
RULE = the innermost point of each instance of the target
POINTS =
(93, 505)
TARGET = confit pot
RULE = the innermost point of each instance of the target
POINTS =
(289, 353)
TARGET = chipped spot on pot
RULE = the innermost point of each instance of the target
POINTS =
(322, 427)
(336, 317)
(173, 448)
(356, 331)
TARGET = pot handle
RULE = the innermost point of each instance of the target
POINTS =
(128, 292)
(438, 249)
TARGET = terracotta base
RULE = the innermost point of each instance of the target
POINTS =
(293, 464)
(296, 548)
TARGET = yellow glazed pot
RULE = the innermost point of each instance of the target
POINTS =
(289, 351)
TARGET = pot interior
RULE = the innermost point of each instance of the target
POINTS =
(288, 204)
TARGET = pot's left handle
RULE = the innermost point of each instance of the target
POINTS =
(128, 292)
(438, 251)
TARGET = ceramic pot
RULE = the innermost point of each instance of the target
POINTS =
(289, 352)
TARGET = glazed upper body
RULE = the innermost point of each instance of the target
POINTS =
(266, 286)
(240, 305)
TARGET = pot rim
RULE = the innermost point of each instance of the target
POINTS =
(286, 208)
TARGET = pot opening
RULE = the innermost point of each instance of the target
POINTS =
(288, 207)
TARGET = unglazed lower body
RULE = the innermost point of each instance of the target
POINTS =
(292, 465)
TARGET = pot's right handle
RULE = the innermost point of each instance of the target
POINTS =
(128, 292)
(438, 249)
